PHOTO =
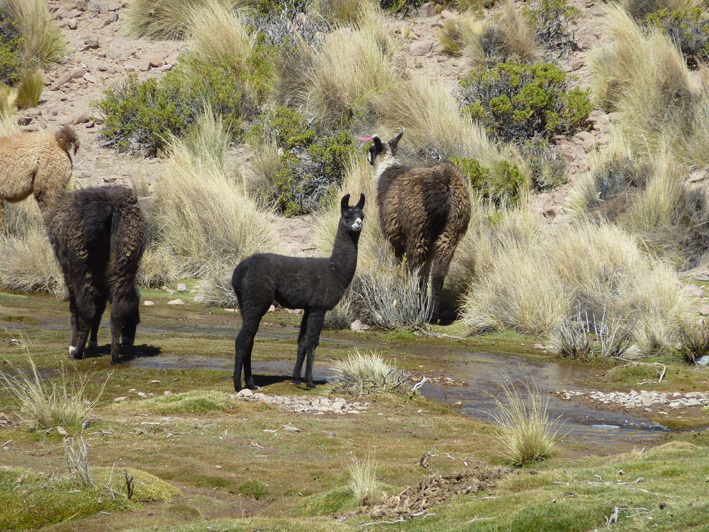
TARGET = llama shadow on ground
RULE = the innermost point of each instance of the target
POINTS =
(263, 380)
(127, 353)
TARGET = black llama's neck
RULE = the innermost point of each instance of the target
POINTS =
(343, 260)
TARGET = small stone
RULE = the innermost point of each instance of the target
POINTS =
(217, 467)
(60, 81)
(229, 310)
(113, 5)
(88, 77)
(272, 308)
(427, 10)
(148, 303)
(155, 61)
(358, 326)
(245, 393)
(112, 17)
(176, 302)
(703, 361)
(142, 394)
(199, 299)
(71, 24)
(81, 119)
(62, 431)
(181, 287)
(78, 73)
(421, 48)
(167, 392)
(119, 399)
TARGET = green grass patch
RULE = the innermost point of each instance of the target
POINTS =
(192, 402)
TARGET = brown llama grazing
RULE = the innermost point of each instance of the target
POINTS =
(423, 212)
(314, 284)
(98, 237)
(36, 163)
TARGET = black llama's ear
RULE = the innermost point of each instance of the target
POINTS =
(345, 202)
(360, 203)
(393, 142)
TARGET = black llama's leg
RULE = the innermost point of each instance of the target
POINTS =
(93, 338)
(315, 323)
(243, 346)
(297, 370)
(83, 325)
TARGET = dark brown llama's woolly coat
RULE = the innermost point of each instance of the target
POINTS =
(98, 237)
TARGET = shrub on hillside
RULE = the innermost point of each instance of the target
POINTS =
(10, 35)
(554, 23)
(311, 165)
(516, 102)
(140, 117)
(688, 30)
(503, 183)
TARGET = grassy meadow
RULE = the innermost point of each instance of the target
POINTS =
(161, 441)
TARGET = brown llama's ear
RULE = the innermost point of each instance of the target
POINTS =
(345, 202)
(375, 149)
(393, 142)
(360, 203)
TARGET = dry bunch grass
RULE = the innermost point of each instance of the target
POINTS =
(642, 74)
(77, 460)
(640, 9)
(369, 373)
(218, 36)
(207, 220)
(28, 263)
(8, 107)
(346, 12)
(30, 88)
(349, 70)
(166, 19)
(363, 482)
(524, 431)
(42, 42)
(509, 37)
(44, 405)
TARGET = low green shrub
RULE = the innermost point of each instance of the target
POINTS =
(502, 183)
(554, 23)
(688, 30)
(10, 35)
(140, 117)
(516, 102)
(312, 163)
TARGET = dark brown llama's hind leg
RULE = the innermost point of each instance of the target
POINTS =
(441, 264)
(93, 338)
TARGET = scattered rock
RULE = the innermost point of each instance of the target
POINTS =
(119, 399)
(427, 10)
(358, 326)
(60, 81)
(305, 405)
(644, 399)
(181, 287)
(176, 302)
(81, 119)
(148, 303)
(245, 393)
(113, 5)
(420, 48)
(71, 24)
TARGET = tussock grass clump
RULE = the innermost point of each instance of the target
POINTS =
(350, 69)
(346, 12)
(207, 220)
(45, 404)
(643, 75)
(31, 85)
(363, 483)
(42, 42)
(369, 373)
(507, 38)
(28, 262)
(218, 36)
(166, 19)
(524, 432)
(554, 24)
(390, 297)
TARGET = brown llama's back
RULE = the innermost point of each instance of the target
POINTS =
(36, 163)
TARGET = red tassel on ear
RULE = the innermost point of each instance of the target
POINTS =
(365, 139)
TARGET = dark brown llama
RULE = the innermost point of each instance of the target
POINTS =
(36, 163)
(315, 285)
(98, 237)
(424, 213)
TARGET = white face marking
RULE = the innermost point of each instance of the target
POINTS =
(72, 349)
(357, 225)
(383, 162)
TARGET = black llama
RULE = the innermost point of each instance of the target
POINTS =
(98, 236)
(424, 213)
(312, 284)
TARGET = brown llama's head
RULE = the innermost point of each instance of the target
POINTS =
(382, 155)
(67, 138)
